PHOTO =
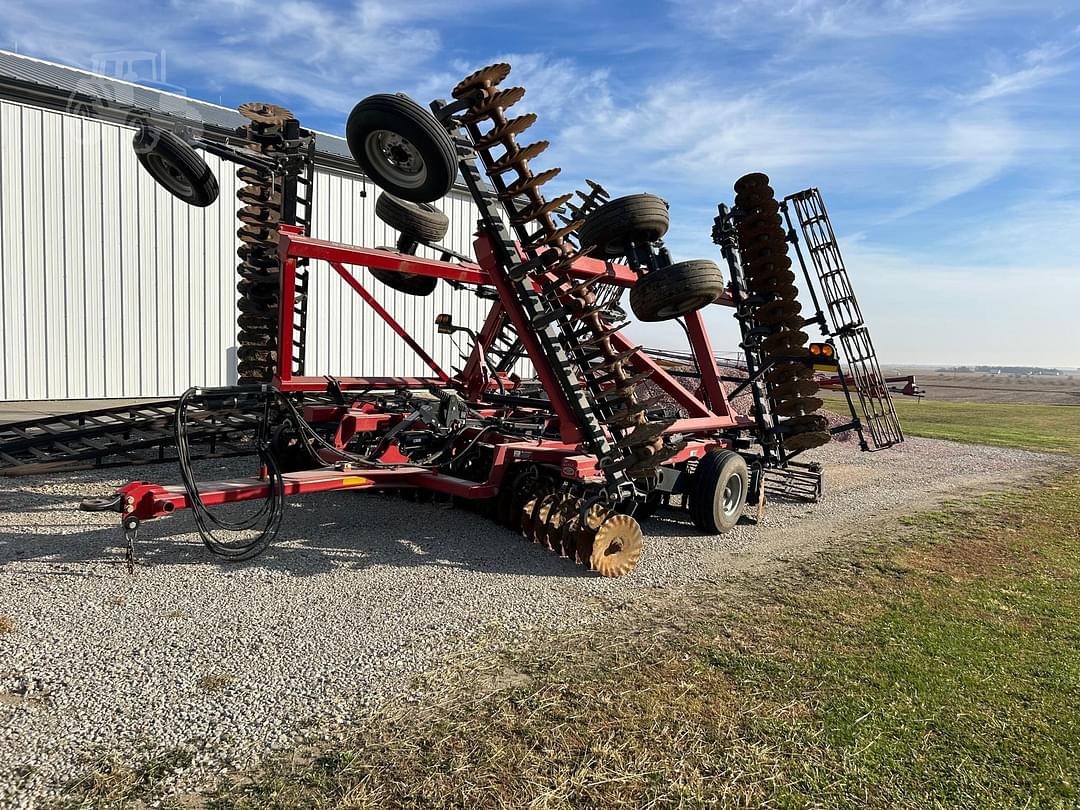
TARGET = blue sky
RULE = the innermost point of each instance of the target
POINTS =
(943, 135)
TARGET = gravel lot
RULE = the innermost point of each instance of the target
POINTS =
(363, 592)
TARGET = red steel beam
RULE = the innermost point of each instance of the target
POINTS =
(568, 429)
(381, 311)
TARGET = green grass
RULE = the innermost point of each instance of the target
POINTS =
(1050, 428)
(936, 667)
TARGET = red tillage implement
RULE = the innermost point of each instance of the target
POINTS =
(573, 456)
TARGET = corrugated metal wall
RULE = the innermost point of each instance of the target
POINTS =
(344, 337)
(110, 287)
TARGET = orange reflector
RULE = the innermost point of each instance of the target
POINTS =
(355, 481)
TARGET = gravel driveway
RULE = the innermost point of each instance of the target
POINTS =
(363, 592)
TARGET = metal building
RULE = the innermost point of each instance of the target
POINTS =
(110, 287)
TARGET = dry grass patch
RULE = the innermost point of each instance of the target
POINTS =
(213, 683)
(907, 676)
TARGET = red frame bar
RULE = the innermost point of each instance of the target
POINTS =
(381, 311)
(569, 432)
(710, 413)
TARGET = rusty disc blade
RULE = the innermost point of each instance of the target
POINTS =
(617, 546)
(785, 372)
(626, 417)
(539, 517)
(783, 341)
(600, 337)
(799, 406)
(491, 74)
(645, 433)
(772, 271)
(623, 388)
(528, 510)
(758, 223)
(519, 187)
(758, 206)
(555, 238)
(614, 361)
(755, 197)
(563, 533)
(255, 177)
(585, 532)
(515, 126)
(539, 209)
(647, 466)
(499, 101)
(751, 181)
(258, 195)
(551, 528)
(806, 441)
(519, 157)
(803, 424)
(263, 113)
(261, 215)
(794, 388)
(779, 309)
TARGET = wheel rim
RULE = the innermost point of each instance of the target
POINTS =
(733, 495)
(170, 175)
(398, 159)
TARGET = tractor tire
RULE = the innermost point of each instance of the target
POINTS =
(609, 230)
(676, 290)
(408, 283)
(718, 491)
(175, 166)
(421, 221)
(402, 147)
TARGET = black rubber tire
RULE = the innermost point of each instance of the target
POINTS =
(676, 290)
(175, 166)
(432, 150)
(408, 283)
(710, 507)
(609, 229)
(422, 221)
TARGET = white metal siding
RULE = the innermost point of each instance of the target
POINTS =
(110, 287)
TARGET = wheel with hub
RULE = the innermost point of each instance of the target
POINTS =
(408, 283)
(718, 491)
(609, 230)
(402, 147)
(421, 221)
(676, 290)
(176, 167)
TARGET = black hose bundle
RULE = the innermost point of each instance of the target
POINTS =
(267, 519)
(269, 514)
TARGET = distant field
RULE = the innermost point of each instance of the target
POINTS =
(1052, 428)
(998, 388)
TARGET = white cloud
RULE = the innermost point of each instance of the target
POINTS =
(1042, 64)
(743, 21)
(326, 56)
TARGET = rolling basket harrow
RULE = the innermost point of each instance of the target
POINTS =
(572, 459)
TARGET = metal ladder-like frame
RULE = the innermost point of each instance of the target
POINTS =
(553, 329)
(845, 321)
